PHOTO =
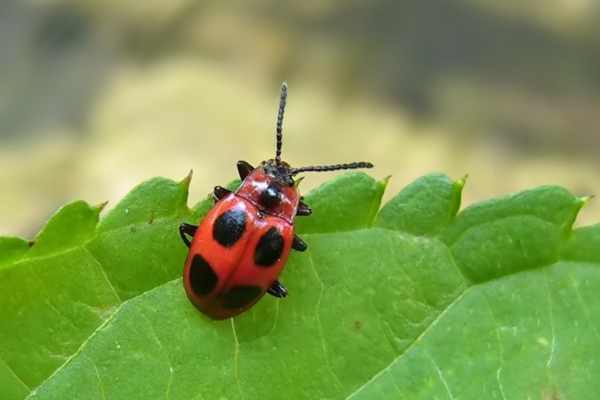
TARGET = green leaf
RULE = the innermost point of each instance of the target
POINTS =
(416, 302)
(11, 250)
(11, 387)
(424, 207)
(58, 291)
(349, 202)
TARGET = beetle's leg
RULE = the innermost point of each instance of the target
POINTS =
(277, 290)
(187, 229)
(244, 169)
(298, 244)
(220, 192)
(303, 209)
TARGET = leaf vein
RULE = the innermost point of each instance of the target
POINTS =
(320, 324)
(413, 343)
(236, 358)
(440, 375)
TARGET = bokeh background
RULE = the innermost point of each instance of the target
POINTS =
(98, 95)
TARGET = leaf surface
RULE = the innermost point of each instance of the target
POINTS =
(416, 301)
(59, 290)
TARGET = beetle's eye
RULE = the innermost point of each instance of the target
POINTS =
(271, 196)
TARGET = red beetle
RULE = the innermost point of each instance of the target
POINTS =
(242, 245)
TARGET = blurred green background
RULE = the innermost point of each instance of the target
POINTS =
(98, 95)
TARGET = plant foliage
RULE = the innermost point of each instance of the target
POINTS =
(412, 300)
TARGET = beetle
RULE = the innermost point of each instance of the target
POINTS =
(239, 249)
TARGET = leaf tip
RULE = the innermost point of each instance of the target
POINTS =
(584, 200)
(101, 206)
(462, 181)
(588, 198)
(185, 182)
(386, 180)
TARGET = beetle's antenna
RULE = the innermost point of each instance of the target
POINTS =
(333, 167)
(282, 100)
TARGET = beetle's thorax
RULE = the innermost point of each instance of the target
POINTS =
(271, 190)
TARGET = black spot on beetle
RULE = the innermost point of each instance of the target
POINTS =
(269, 248)
(240, 296)
(229, 227)
(271, 196)
(202, 277)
